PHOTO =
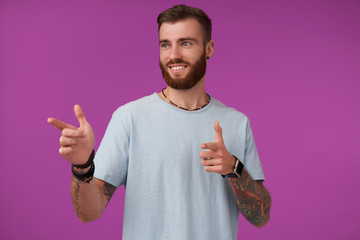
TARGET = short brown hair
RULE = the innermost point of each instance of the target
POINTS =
(181, 12)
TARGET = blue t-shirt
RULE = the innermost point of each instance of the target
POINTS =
(152, 148)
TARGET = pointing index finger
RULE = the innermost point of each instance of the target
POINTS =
(59, 124)
(209, 145)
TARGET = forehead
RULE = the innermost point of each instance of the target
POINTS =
(187, 28)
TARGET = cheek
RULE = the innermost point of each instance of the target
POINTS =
(193, 56)
(162, 58)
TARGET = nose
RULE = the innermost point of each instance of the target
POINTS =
(175, 53)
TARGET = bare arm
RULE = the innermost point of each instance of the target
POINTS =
(90, 199)
(76, 145)
(252, 198)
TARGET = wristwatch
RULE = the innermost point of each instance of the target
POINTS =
(237, 169)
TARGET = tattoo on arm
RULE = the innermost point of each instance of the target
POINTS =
(108, 190)
(75, 199)
(252, 198)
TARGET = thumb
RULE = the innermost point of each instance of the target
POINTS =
(218, 133)
(80, 115)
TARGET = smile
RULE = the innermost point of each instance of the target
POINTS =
(177, 68)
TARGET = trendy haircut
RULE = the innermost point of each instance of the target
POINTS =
(182, 12)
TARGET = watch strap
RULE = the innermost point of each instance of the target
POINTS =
(237, 169)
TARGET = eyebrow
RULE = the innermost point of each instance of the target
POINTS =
(179, 40)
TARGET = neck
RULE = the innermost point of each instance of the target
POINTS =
(192, 98)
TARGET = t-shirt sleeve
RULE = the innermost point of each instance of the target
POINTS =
(111, 159)
(252, 162)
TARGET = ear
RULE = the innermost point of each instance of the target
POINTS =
(210, 47)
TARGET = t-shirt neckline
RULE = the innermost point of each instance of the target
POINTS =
(156, 95)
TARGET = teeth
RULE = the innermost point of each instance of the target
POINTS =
(177, 67)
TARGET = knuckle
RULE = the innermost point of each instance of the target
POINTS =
(64, 132)
(62, 152)
(62, 140)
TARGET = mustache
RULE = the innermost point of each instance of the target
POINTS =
(178, 61)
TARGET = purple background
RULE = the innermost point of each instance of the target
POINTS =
(291, 66)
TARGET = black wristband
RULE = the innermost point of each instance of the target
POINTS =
(85, 165)
(88, 176)
(84, 177)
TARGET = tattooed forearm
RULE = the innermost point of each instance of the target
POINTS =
(90, 199)
(75, 199)
(108, 190)
(252, 198)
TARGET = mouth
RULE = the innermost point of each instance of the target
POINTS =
(177, 67)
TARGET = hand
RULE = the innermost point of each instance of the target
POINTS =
(76, 144)
(218, 159)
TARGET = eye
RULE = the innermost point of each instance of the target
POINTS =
(186, 44)
(164, 45)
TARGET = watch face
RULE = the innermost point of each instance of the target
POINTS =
(239, 168)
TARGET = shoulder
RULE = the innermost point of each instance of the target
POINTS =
(136, 106)
(229, 112)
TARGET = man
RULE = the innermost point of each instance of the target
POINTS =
(182, 182)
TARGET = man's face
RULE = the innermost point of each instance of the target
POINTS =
(182, 53)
